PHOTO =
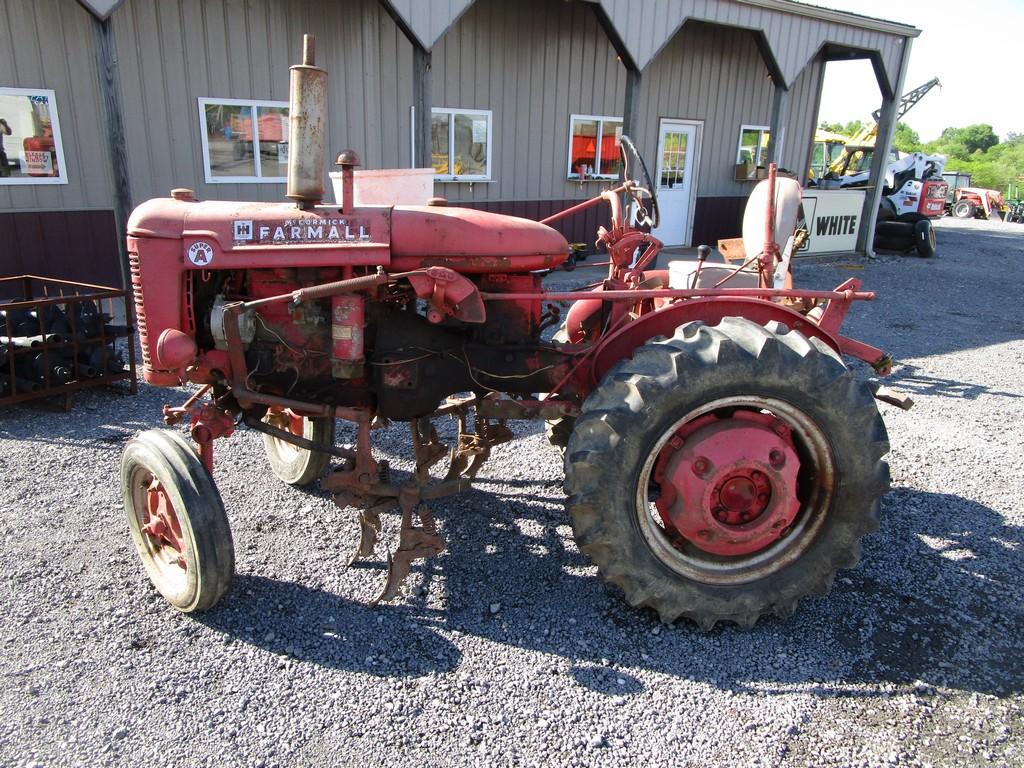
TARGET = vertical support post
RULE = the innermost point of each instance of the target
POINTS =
(106, 64)
(780, 116)
(631, 106)
(883, 144)
(422, 102)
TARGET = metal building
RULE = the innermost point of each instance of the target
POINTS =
(516, 105)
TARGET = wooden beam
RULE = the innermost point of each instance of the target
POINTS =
(422, 102)
(631, 106)
(780, 115)
(106, 64)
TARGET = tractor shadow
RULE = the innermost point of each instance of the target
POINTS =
(935, 602)
(302, 624)
(912, 380)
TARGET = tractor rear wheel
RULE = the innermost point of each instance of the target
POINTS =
(726, 472)
(289, 463)
(963, 209)
(177, 520)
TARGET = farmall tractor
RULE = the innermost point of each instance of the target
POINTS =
(721, 460)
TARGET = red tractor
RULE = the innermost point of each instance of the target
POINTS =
(721, 460)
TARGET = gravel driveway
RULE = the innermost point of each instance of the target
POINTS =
(508, 650)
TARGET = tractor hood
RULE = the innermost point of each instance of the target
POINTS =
(472, 241)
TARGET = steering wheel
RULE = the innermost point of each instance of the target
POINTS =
(644, 188)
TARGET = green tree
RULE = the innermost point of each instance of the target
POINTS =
(846, 129)
(906, 138)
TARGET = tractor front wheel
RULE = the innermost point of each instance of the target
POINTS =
(964, 209)
(726, 472)
(290, 463)
(177, 520)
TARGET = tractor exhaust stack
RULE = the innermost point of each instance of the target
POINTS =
(307, 122)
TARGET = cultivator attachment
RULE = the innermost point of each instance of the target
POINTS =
(364, 483)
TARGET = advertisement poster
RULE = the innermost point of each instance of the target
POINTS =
(31, 151)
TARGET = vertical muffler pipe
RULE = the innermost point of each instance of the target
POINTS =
(307, 126)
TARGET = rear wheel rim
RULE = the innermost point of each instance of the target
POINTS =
(164, 543)
(757, 513)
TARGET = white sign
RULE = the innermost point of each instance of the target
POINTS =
(479, 130)
(832, 218)
(200, 254)
(40, 163)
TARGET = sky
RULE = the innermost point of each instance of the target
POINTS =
(974, 47)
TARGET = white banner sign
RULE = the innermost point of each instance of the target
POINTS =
(833, 219)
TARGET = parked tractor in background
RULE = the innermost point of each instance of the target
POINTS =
(721, 460)
(966, 202)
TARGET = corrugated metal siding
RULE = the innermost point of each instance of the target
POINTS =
(804, 101)
(49, 44)
(714, 74)
(794, 40)
(173, 52)
(533, 63)
(429, 19)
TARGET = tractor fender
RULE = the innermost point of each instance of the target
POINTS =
(620, 344)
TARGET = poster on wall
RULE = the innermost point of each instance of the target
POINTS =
(31, 150)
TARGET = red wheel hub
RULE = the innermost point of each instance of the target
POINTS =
(161, 523)
(728, 485)
(287, 419)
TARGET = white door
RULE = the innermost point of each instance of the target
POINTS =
(675, 179)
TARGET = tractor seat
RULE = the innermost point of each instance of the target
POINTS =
(681, 275)
(471, 241)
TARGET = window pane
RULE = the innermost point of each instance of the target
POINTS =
(439, 143)
(470, 145)
(272, 128)
(749, 139)
(229, 137)
(611, 157)
(583, 152)
(28, 146)
(673, 159)
(762, 155)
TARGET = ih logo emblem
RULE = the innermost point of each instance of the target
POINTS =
(243, 229)
(200, 254)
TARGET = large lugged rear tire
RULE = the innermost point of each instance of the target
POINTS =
(726, 472)
(177, 520)
(289, 463)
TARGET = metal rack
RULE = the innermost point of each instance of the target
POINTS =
(56, 338)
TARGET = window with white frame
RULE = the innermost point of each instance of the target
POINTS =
(753, 147)
(460, 144)
(594, 147)
(31, 151)
(244, 141)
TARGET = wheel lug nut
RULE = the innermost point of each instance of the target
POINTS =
(776, 458)
(701, 465)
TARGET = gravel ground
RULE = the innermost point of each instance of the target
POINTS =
(509, 650)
